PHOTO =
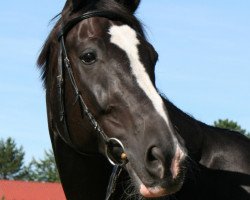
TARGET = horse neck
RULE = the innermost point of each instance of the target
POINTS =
(190, 131)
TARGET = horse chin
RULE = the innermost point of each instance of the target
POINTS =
(164, 188)
(153, 192)
(159, 191)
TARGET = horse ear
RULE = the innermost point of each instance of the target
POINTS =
(131, 5)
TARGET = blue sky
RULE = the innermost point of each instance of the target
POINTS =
(203, 68)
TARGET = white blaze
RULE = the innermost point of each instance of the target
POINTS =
(125, 38)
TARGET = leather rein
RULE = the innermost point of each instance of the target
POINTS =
(64, 66)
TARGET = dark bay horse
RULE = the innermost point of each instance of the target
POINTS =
(102, 105)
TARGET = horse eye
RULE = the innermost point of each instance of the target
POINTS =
(88, 58)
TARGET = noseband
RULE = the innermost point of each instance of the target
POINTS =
(64, 65)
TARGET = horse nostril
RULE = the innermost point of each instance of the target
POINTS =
(155, 162)
(153, 154)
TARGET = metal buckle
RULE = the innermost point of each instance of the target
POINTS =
(115, 152)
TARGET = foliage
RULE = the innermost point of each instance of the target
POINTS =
(12, 164)
(11, 160)
(231, 125)
(43, 170)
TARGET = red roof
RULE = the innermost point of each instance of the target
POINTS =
(21, 190)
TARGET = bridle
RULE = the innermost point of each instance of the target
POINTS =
(65, 66)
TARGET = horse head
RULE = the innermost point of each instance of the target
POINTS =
(113, 68)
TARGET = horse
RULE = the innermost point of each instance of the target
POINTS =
(113, 134)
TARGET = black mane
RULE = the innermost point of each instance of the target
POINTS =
(69, 12)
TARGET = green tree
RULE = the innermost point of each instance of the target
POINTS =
(43, 170)
(11, 160)
(231, 125)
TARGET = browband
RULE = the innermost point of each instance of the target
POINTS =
(96, 13)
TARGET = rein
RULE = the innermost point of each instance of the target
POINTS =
(64, 65)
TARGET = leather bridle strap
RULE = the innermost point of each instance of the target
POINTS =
(78, 96)
(95, 13)
(117, 169)
(64, 62)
